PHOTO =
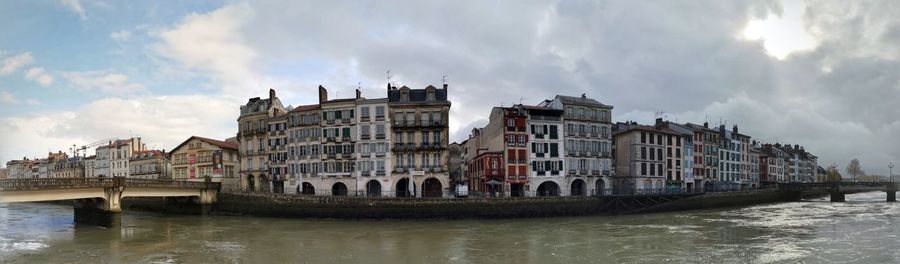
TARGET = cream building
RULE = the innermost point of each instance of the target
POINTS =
(304, 148)
(252, 139)
(420, 126)
(195, 159)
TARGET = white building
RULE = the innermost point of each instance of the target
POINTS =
(120, 152)
(373, 147)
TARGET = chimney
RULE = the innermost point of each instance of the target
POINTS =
(734, 129)
(445, 86)
(389, 86)
(796, 146)
(271, 94)
(659, 122)
(706, 124)
(358, 94)
(323, 94)
(583, 95)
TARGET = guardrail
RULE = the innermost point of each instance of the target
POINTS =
(73, 183)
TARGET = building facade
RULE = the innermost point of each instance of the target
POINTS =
(547, 156)
(151, 165)
(253, 137)
(420, 125)
(642, 157)
(588, 141)
(200, 158)
(120, 152)
(19, 169)
(729, 159)
(374, 158)
(304, 147)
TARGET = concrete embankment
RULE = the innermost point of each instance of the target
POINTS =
(291, 206)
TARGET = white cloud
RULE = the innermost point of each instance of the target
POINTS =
(75, 6)
(12, 64)
(32, 102)
(121, 35)
(111, 83)
(8, 98)
(161, 121)
(37, 74)
(213, 45)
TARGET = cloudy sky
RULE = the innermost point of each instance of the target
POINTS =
(825, 75)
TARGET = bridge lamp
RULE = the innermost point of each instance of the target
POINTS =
(891, 171)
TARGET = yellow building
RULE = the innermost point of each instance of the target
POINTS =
(198, 158)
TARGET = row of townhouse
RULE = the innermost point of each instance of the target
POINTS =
(562, 146)
(196, 159)
(567, 146)
(395, 146)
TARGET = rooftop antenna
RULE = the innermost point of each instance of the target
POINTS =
(444, 79)
(358, 85)
(389, 77)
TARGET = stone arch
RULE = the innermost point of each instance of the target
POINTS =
(548, 188)
(306, 189)
(373, 188)
(600, 187)
(339, 189)
(402, 189)
(660, 186)
(251, 183)
(577, 188)
(432, 188)
(648, 185)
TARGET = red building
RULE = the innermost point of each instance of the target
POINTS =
(515, 135)
(486, 172)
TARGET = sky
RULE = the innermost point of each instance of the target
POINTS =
(822, 74)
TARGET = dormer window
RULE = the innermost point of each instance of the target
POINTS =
(429, 95)
(404, 96)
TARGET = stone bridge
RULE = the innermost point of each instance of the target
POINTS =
(97, 198)
(838, 190)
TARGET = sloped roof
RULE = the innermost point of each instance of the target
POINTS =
(214, 142)
(582, 101)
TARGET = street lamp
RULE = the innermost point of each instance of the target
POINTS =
(891, 171)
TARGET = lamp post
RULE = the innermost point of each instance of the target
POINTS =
(891, 171)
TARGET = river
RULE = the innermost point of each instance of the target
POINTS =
(862, 230)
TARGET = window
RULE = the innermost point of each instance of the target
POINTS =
(426, 118)
(437, 137)
(379, 113)
(553, 132)
(425, 137)
(644, 153)
(379, 129)
(652, 157)
(365, 130)
(346, 132)
(364, 111)
(658, 154)
(554, 150)
(436, 117)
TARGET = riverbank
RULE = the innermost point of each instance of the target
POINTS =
(293, 206)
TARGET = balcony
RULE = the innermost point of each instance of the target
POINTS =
(365, 137)
(346, 139)
(345, 120)
(379, 154)
(399, 169)
(380, 173)
(364, 119)
(379, 118)
(329, 122)
(365, 173)
(606, 172)
(346, 155)
(272, 133)
(331, 155)
(595, 172)
(583, 172)
(379, 136)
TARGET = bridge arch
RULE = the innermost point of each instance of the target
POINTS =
(402, 188)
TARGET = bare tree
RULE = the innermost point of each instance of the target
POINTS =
(854, 169)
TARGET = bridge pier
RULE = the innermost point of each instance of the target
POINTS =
(94, 211)
(837, 197)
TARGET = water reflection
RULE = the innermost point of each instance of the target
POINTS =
(863, 230)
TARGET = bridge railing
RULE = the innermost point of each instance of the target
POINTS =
(830, 185)
(150, 183)
(72, 183)
(50, 183)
